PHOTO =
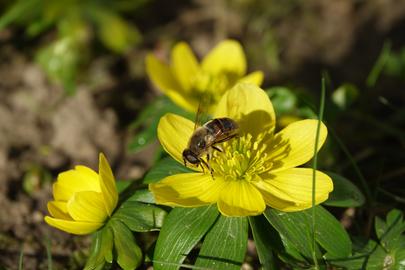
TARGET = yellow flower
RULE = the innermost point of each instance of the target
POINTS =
(255, 169)
(185, 79)
(83, 199)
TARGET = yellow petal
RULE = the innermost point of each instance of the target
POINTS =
(295, 144)
(226, 57)
(87, 206)
(285, 120)
(58, 210)
(187, 189)
(255, 78)
(183, 100)
(107, 184)
(240, 198)
(292, 189)
(79, 179)
(275, 202)
(174, 132)
(88, 173)
(250, 106)
(160, 74)
(185, 66)
(189, 103)
(74, 227)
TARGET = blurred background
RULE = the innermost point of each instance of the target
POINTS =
(73, 84)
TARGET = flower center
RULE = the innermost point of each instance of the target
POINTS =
(242, 158)
(213, 86)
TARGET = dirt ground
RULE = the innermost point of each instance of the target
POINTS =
(43, 131)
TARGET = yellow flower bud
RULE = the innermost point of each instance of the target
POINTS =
(83, 199)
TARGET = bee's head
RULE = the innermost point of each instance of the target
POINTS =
(190, 157)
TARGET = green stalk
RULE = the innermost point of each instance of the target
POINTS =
(21, 259)
(48, 252)
(314, 167)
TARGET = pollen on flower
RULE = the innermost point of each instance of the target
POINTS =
(242, 158)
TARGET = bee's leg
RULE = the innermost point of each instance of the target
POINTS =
(185, 163)
(202, 167)
(217, 148)
(209, 154)
(208, 167)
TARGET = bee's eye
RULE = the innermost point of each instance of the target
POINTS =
(201, 144)
(192, 159)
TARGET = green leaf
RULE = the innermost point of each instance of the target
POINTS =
(378, 259)
(388, 253)
(370, 258)
(296, 227)
(95, 259)
(142, 195)
(140, 217)
(268, 241)
(379, 65)
(345, 193)
(292, 256)
(374, 257)
(20, 11)
(129, 254)
(182, 230)
(115, 33)
(61, 60)
(345, 95)
(149, 119)
(165, 167)
(395, 64)
(400, 259)
(283, 100)
(122, 185)
(144, 137)
(150, 112)
(331, 235)
(224, 245)
(107, 244)
(389, 232)
(265, 238)
(101, 249)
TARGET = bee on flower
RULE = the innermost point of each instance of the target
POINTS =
(83, 199)
(258, 168)
(185, 80)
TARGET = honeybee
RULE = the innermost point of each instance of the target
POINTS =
(205, 137)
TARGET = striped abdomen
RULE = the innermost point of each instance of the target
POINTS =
(222, 129)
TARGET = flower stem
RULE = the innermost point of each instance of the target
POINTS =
(314, 167)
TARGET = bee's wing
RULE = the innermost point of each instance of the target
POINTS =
(201, 115)
(197, 120)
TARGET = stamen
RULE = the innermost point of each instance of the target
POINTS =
(242, 158)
